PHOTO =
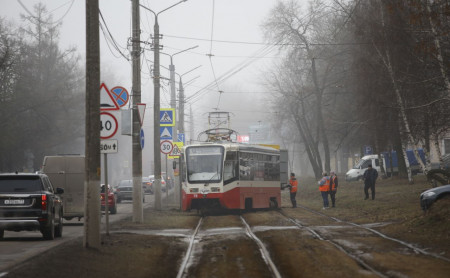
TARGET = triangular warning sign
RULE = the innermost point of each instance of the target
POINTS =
(175, 151)
(141, 110)
(107, 101)
(166, 133)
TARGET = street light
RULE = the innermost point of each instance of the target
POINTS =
(156, 107)
(172, 84)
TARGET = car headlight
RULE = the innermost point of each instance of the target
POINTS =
(428, 194)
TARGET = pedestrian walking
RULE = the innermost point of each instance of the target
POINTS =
(293, 185)
(333, 188)
(370, 176)
(324, 188)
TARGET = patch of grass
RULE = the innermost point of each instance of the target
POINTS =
(396, 202)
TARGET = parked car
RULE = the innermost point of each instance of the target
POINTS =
(428, 197)
(29, 202)
(112, 204)
(124, 191)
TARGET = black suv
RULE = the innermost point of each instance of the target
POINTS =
(29, 202)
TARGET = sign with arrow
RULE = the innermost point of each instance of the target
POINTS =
(109, 146)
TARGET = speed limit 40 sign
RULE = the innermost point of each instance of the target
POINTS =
(166, 146)
(108, 125)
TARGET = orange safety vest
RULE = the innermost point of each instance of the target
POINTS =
(326, 186)
(294, 184)
(333, 183)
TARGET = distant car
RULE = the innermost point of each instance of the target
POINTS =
(112, 205)
(427, 198)
(163, 183)
(147, 185)
(125, 191)
(29, 202)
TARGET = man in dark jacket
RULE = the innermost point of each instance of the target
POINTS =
(370, 176)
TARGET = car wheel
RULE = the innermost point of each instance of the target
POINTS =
(59, 228)
(2, 234)
(113, 210)
(49, 231)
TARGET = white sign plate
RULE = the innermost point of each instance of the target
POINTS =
(109, 146)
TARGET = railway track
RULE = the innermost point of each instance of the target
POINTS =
(357, 257)
(183, 270)
(245, 229)
(408, 245)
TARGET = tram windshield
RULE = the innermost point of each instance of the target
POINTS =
(204, 164)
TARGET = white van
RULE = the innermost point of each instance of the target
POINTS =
(67, 171)
(357, 172)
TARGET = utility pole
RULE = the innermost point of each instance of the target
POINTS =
(156, 124)
(181, 107)
(191, 124)
(92, 137)
(156, 106)
(138, 215)
(173, 101)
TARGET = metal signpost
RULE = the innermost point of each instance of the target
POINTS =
(108, 129)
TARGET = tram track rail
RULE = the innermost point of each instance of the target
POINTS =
(183, 270)
(406, 244)
(342, 248)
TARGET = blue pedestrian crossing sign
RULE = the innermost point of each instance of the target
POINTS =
(167, 117)
(165, 132)
(181, 138)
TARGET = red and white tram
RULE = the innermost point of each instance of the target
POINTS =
(231, 176)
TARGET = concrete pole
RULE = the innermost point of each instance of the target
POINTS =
(156, 124)
(138, 215)
(92, 141)
(181, 111)
(173, 101)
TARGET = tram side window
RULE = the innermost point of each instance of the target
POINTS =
(245, 165)
(272, 169)
(231, 168)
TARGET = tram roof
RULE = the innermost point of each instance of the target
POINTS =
(238, 147)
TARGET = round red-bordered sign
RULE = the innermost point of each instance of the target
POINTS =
(166, 147)
(120, 95)
(108, 125)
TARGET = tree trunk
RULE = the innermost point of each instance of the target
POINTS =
(438, 49)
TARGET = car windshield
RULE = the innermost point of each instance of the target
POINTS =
(362, 163)
(204, 164)
(18, 184)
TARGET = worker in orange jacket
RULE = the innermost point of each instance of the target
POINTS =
(333, 187)
(324, 188)
(293, 185)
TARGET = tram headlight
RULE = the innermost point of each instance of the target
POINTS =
(193, 190)
(215, 189)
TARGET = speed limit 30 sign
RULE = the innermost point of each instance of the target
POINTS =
(166, 147)
(108, 125)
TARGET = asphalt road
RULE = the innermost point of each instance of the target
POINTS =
(17, 247)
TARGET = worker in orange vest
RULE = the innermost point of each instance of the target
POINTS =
(293, 184)
(324, 188)
(333, 187)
